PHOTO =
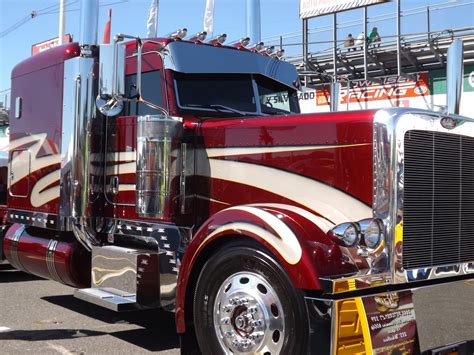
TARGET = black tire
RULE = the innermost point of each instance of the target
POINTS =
(234, 264)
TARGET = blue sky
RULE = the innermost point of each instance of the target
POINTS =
(129, 16)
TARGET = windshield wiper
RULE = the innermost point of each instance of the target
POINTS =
(220, 108)
(274, 111)
(229, 109)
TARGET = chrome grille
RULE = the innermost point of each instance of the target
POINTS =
(438, 216)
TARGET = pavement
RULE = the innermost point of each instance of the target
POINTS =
(42, 317)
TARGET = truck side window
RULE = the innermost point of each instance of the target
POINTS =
(276, 98)
(151, 91)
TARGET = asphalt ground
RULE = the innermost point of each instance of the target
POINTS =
(42, 317)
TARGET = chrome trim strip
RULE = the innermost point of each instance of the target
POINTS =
(70, 93)
(14, 248)
(39, 219)
(52, 245)
(390, 126)
(354, 283)
(182, 179)
(79, 121)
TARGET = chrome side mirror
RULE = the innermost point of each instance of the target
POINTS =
(111, 79)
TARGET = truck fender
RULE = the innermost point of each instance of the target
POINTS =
(296, 237)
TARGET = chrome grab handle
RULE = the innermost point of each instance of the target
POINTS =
(114, 185)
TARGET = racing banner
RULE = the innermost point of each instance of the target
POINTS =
(392, 88)
(313, 8)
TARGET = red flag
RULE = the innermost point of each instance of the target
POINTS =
(106, 39)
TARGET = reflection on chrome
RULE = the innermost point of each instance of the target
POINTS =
(390, 126)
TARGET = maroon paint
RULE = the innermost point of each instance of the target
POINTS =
(41, 112)
(72, 262)
(27, 184)
(51, 57)
(346, 168)
(317, 251)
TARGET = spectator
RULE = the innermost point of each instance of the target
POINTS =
(359, 42)
(349, 42)
(374, 37)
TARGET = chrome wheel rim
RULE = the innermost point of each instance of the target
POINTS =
(248, 316)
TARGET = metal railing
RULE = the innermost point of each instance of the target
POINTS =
(293, 44)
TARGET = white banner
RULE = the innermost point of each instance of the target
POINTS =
(209, 17)
(313, 8)
(152, 22)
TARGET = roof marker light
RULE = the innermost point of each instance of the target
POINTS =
(218, 40)
(179, 34)
(279, 54)
(242, 43)
(257, 47)
(199, 37)
(269, 50)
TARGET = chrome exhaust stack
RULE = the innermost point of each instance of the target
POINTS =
(454, 77)
(334, 95)
(89, 22)
(84, 181)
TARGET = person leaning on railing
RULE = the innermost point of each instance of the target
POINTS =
(374, 38)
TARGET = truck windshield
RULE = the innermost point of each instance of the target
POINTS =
(241, 94)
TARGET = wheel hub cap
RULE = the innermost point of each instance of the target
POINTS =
(248, 315)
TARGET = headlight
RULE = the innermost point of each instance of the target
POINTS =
(348, 233)
(373, 234)
(367, 232)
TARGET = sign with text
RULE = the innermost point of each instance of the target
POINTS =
(392, 88)
(50, 43)
(313, 8)
(391, 321)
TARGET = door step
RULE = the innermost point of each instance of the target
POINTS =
(110, 298)
(123, 279)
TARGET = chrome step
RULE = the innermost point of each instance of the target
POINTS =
(123, 279)
(109, 298)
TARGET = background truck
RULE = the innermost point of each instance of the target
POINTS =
(180, 174)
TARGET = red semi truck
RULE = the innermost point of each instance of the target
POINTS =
(180, 174)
